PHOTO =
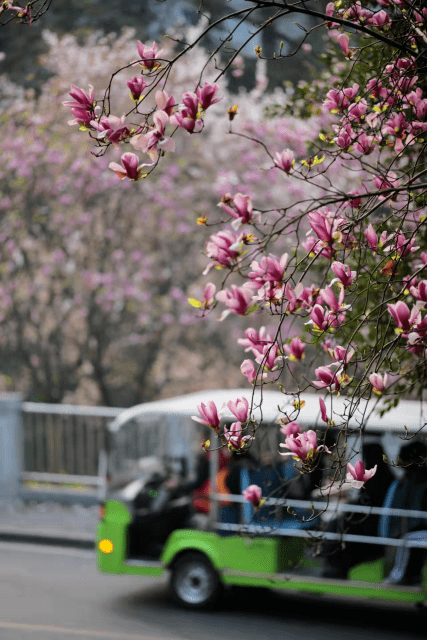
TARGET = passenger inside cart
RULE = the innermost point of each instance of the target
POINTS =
(340, 557)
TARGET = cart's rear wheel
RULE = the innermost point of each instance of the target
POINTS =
(195, 583)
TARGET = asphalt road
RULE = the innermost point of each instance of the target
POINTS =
(48, 593)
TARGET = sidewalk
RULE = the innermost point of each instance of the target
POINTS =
(49, 523)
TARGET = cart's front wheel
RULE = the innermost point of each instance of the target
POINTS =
(194, 582)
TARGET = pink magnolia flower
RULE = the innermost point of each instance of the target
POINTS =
(320, 318)
(268, 356)
(323, 413)
(398, 127)
(327, 379)
(206, 95)
(81, 99)
(344, 274)
(341, 354)
(149, 55)
(357, 111)
(111, 127)
(136, 87)
(326, 224)
(270, 269)
(130, 168)
(371, 237)
(241, 208)
(208, 295)
(380, 19)
(344, 136)
(238, 300)
(209, 415)
(343, 41)
(420, 292)
(223, 247)
(404, 318)
(328, 296)
(253, 495)
(188, 118)
(239, 408)
(358, 475)
(235, 440)
(376, 88)
(285, 160)
(149, 142)
(249, 370)
(165, 102)
(82, 117)
(295, 349)
(291, 429)
(253, 339)
(378, 382)
(303, 447)
(365, 144)
(357, 13)
(404, 246)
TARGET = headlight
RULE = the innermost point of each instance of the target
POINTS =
(105, 546)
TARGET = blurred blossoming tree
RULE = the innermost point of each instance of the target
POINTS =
(345, 257)
(96, 272)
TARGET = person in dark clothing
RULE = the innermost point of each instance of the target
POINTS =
(338, 559)
(411, 491)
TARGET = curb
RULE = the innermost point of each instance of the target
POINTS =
(51, 538)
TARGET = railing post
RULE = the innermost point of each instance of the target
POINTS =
(11, 445)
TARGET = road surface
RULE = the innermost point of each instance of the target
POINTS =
(49, 593)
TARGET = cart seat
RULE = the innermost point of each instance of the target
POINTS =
(401, 496)
(270, 480)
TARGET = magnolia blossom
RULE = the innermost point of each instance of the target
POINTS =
(323, 413)
(165, 102)
(253, 495)
(285, 160)
(254, 340)
(269, 269)
(341, 354)
(358, 475)
(188, 118)
(327, 379)
(249, 370)
(206, 95)
(130, 168)
(295, 349)
(149, 142)
(404, 318)
(238, 300)
(239, 207)
(209, 415)
(269, 356)
(303, 447)
(235, 440)
(291, 429)
(344, 274)
(343, 41)
(111, 127)
(378, 382)
(239, 408)
(223, 247)
(372, 238)
(149, 55)
(136, 87)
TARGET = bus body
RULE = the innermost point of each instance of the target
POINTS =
(242, 553)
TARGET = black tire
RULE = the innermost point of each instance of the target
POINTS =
(194, 582)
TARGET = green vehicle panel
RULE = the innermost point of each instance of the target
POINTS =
(260, 561)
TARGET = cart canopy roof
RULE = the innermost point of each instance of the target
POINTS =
(408, 413)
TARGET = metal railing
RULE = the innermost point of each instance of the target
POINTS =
(63, 440)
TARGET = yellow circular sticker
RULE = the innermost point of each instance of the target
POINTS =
(106, 546)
